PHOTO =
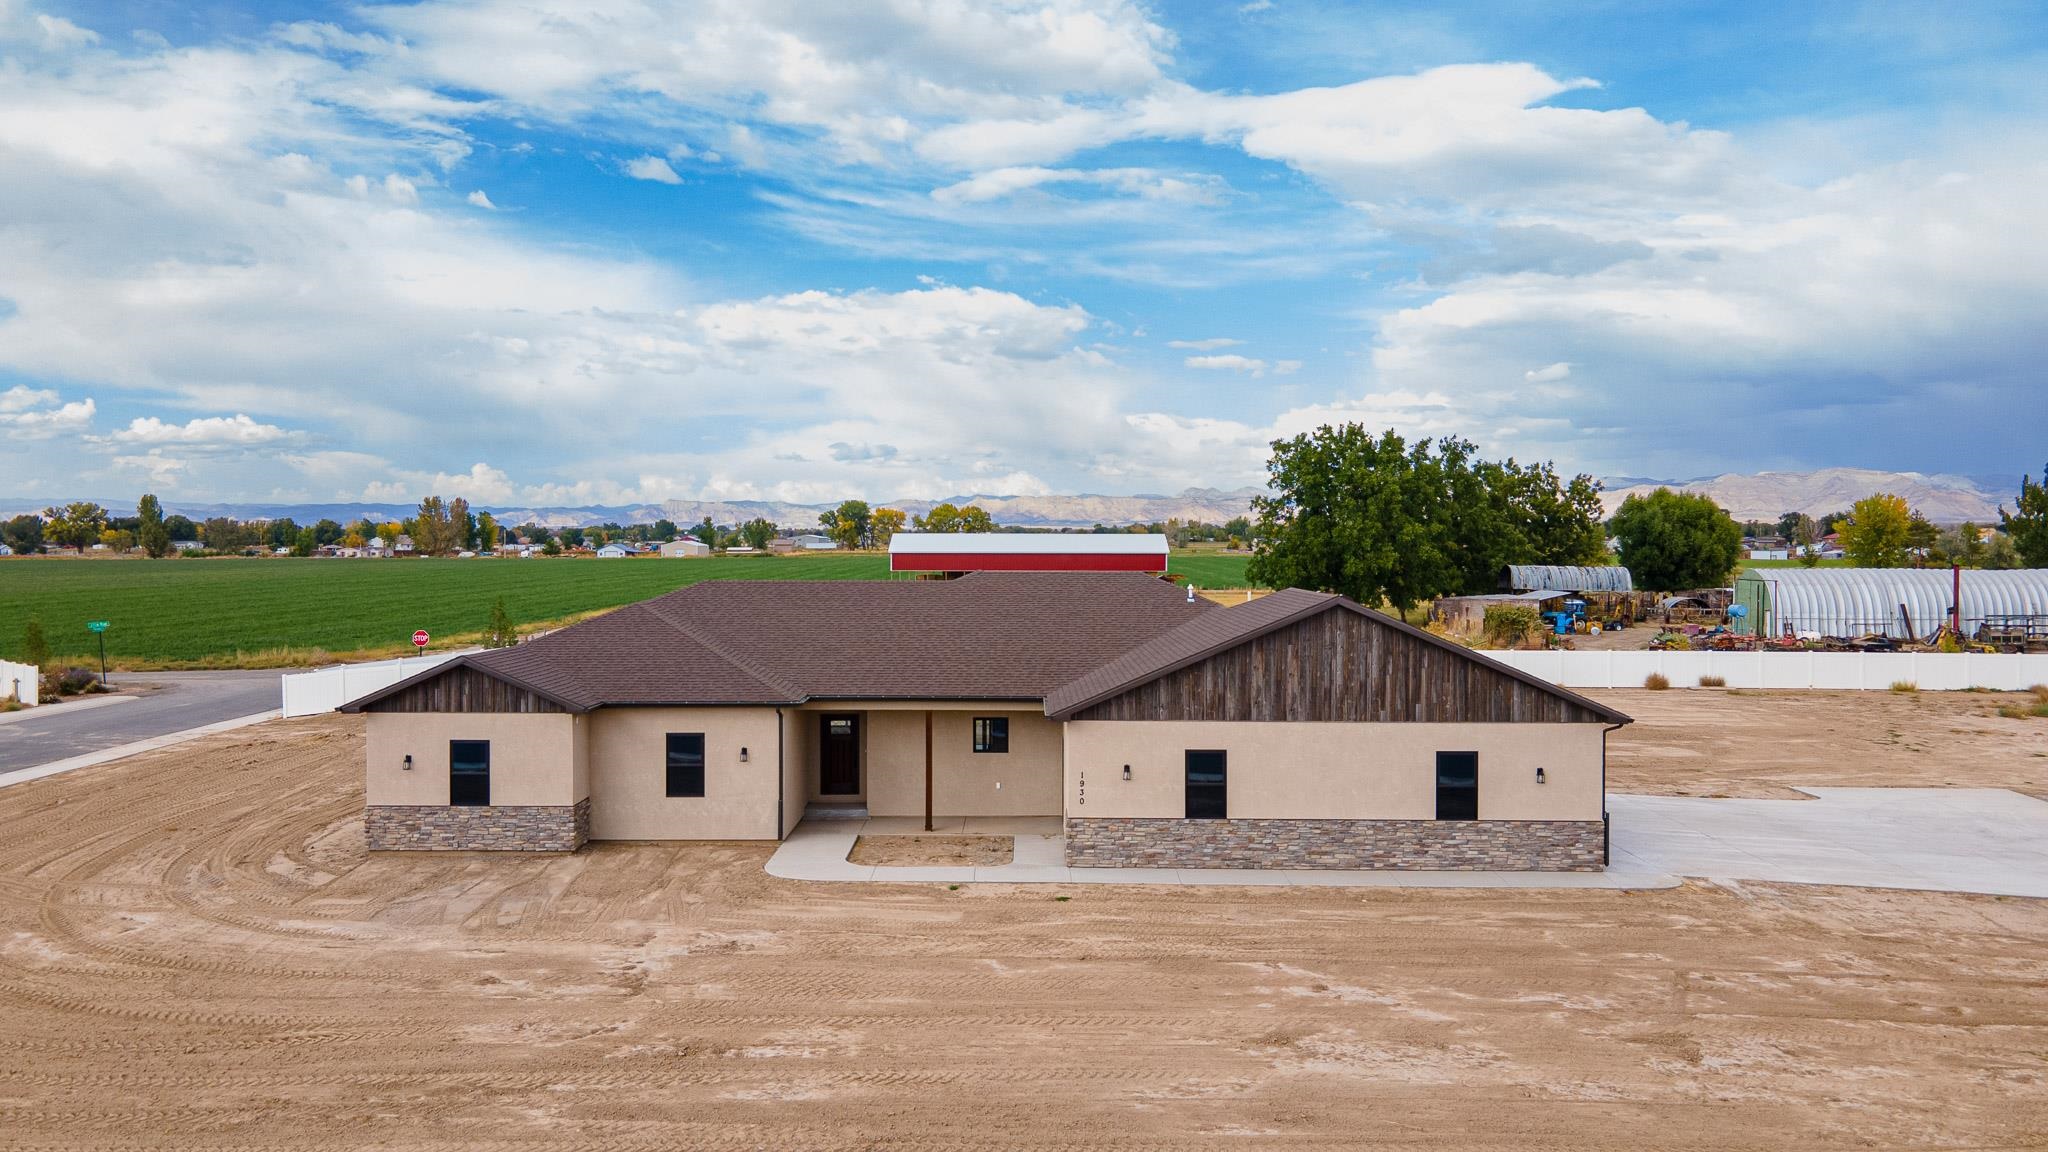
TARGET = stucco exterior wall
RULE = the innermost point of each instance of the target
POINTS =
(1025, 781)
(799, 743)
(534, 757)
(1333, 771)
(629, 775)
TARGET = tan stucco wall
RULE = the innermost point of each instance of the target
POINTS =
(799, 737)
(534, 758)
(1025, 781)
(629, 775)
(1334, 771)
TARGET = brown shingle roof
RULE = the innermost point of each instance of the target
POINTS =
(1215, 632)
(987, 636)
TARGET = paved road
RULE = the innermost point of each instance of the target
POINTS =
(173, 702)
(1955, 839)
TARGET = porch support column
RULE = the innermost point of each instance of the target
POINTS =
(927, 770)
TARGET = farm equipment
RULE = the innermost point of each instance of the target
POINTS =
(1568, 617)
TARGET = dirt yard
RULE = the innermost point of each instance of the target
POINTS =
(195, 952)
(920, 851)
(1722, 742)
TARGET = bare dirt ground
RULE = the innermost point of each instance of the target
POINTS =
(1721, 742)
(196, 952)
(919, 851)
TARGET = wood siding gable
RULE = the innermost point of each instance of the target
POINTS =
(462, 688)
(1341, 665)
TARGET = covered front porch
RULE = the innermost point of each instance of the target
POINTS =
(930, 762)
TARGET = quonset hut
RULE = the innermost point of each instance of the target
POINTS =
(1566, 578)
(1850, 602)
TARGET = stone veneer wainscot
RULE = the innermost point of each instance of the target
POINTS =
(499, 828)
(1456, 845)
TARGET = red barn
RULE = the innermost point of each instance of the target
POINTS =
(1027, 552)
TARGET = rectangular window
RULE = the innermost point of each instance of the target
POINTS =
(686, 764)
(991, 733)
(1457, 785)
(469, 773)
(1208, 786)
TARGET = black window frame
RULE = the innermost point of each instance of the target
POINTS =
(1458, 800)
(1206, 799)
(996, 741)
(468, 787)
(683, 780)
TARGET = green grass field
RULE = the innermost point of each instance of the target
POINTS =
(284, 611)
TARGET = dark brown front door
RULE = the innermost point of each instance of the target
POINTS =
(839, 755)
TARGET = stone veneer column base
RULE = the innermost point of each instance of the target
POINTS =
(502, 828)
(1457, 845)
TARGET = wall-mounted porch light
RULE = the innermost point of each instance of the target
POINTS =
(1127, 771)
(743, 754)
(1539, 775)
(408, 763)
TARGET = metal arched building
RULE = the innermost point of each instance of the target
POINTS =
(1566, 578)
(1864, 601)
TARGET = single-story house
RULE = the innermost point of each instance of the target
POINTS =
(685, 546)
(615, 550)
(816, 543)
(5, 550)
(1296, 730)
(187, 545)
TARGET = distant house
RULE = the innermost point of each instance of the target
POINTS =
(376, 547)
(816, 543)
(615, 551)
(5, 550)
(685, 546)
(404, 545)
(187, 545)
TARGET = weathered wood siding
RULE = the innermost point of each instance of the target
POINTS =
(464, 689)
(1340, 666)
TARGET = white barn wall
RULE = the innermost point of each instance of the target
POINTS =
(1856, 671)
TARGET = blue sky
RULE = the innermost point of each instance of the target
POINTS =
(533, 252)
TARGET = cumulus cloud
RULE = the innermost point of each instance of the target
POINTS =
(1208, 345)
(477, 199)
(1228, 362)
(59, 33)
(652, 168)
(237, 431)
(36, 414)
(1548, 373)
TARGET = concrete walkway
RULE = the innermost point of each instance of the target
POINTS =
(1988, 840)
(817, 851)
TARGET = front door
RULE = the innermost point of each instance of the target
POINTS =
(839, 755)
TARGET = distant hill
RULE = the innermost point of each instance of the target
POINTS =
(1768, 495)
(1208, 504)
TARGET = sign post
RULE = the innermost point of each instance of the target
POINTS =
(419, 639)
(99, 628)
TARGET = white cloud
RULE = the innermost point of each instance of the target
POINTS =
(35, 415)
(1548, 374)
(237, 431)
(477, 199)
(401, 190)
(1286, 367)
(1255, 6)
(59, 33)
(1208, 345)
(652, 168)
(21, 398)
(1145, 183)
(1228, 362)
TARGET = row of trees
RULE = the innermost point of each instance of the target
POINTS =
(854, 525)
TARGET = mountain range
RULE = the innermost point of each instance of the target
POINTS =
(1944, 499)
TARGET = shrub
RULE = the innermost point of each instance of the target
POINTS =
(1713, 681)
(1507, 625)
(1656, 682)
(1904, 686)
(500, 633)
(72, 681)
(2040, 692)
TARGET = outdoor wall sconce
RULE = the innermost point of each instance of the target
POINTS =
(408, 763)
(1539, 775)
(1127, 771)
(743, 754)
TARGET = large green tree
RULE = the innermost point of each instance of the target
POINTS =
(847, 524)
(1676, 540)
(2027, 525)
(1879, 532)
(151, 533)
(24, 534)
(1379, 519)
(75, 525)
(757, 533)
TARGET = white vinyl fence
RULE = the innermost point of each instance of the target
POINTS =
(1934, 671)
(21, 682)
(310, 693)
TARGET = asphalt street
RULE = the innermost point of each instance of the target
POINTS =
(164, 702)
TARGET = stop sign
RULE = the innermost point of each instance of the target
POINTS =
(419, 638)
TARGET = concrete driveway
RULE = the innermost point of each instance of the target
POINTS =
(144, 705)
(1987, 840)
